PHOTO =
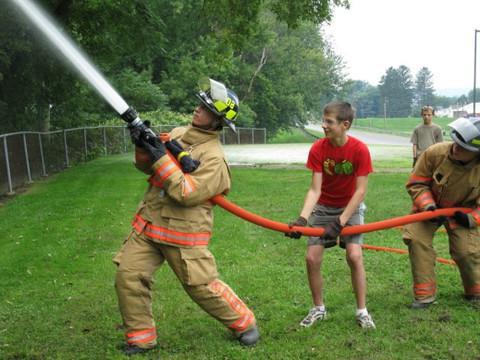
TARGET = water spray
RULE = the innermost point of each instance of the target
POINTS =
(80, 63)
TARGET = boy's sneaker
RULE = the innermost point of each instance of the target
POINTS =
(365, 321)
(314, 314)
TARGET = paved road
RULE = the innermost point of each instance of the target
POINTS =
(371, 138)
(382, 147)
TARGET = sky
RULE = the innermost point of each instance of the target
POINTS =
(373, 35)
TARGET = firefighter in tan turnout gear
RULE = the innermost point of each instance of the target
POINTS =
(174, 224)
(447, 175)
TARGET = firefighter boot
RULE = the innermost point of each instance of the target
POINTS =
(418, 305)
(249, 337)
(131, 350)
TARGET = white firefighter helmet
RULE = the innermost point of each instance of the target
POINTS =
(220, 100)
(466, 133)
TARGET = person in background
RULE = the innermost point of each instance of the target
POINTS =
(425, 134)
(447, 175)
(340, 166)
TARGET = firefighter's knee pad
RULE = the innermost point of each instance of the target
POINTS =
(133, 281)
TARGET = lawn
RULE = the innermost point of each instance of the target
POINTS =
(294, 136)
(402, 126)
(57, 299)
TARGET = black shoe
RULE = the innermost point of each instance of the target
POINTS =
(249, 337)
(420, 305)
(472, 298)
(131, 350)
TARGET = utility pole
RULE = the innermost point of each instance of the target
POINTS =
(385, 112)
(475, 74)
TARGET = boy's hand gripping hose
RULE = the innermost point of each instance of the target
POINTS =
(349, 230)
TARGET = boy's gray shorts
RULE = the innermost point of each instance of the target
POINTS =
(322, 215)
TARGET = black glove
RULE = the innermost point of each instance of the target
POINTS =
(414, 162)
(301, 221)
(157, 150)
(439, 220)
(188, 164)
(174, 147)
(135, 134)
(141, 132)
(332, 230)
(463, 219)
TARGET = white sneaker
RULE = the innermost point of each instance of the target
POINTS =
(365, 321)
(313, 315)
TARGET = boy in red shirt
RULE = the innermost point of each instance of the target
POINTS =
(340, 166)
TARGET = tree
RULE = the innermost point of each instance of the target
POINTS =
(396, 92)
(444, 101)
(287, 91)
(154, 51)
(364, 97)
(462, 100)
(316, 11)
(477, 95)
(424, 90)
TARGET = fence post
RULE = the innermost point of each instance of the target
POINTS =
(67, 163)
(124, 141)
(7, 164)
(27, 160)
(105, 140)
(223, 135)
(238, 137)
(85, 143)
(40, 143)
(253, 135)
(264, 135)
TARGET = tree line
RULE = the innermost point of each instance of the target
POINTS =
(399, 94)
(270, 52)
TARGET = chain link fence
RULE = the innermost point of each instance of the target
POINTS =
(27, 156)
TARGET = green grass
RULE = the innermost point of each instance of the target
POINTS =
(402, 126)
(293, 136)
(57, 299)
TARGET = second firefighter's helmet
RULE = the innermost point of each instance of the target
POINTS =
(466, 133)
(220, 100)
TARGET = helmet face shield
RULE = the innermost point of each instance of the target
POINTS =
(466, 133)
(219, 100)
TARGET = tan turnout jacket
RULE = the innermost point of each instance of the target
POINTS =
(439, 180)
(175, 208)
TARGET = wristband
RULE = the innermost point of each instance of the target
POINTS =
(182, 154)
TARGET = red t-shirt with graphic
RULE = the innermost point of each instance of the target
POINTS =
(340, 167)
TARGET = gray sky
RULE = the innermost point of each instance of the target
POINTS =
(374, 35)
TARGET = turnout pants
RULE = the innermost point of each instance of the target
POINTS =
(195, 267)
(464, 246)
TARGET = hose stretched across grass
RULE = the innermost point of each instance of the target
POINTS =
(349, 230)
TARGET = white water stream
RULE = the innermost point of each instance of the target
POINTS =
(74, 56)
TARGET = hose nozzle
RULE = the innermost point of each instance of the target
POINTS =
(131, 117)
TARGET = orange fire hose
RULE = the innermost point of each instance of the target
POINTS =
(402, 251)
(221, 201)
(349, 230)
